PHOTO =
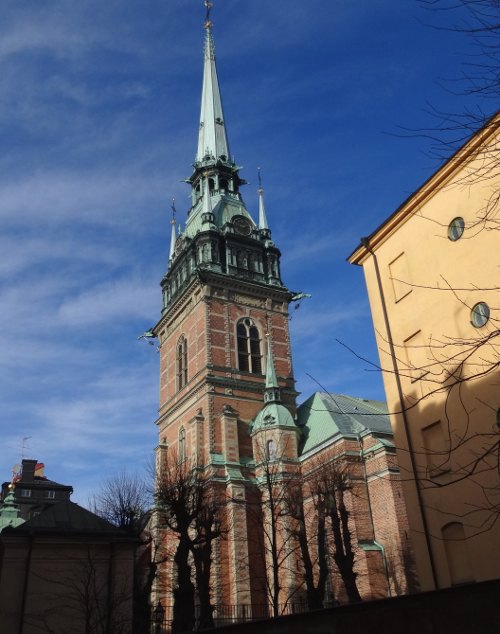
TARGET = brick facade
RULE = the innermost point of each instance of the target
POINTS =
(215, 409)
(223, 303)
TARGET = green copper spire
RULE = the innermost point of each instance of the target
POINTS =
(212, 138)
(172, 235)
(9, 512)
(272, 391)
(220, 236)
(262, 211)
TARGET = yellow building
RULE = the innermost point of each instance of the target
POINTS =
(432, 271)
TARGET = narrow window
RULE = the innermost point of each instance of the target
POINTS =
(416, 358)
(400, 277)
(248, 344)
(455, 546)
(255, 351)
(437, 449)
(25, 493)
(181, 361)
(271, 450)
(182, 444)
(243, 362)
(50, 494)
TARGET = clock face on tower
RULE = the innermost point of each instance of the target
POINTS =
(242, 225)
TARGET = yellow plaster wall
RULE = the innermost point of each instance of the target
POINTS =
(430, 284)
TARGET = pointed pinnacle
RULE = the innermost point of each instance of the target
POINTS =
(262, 210)
(172, 235)
(271, 380)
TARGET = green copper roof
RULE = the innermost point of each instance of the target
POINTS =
(273, 415)
(224, 208)
(212, 137)
(324, 416)
(9, 512)
(68, 517)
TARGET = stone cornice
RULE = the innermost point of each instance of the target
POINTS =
(255, 289)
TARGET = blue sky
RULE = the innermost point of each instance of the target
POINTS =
(99, 106)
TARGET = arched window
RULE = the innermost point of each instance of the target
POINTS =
(249, 356)
(181, 362)
(182, 444)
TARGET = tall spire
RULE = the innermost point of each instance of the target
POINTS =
(262, 211)
(272, 390)
(172, 235)
(212, 139)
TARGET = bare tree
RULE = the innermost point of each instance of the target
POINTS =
(189, 509)
(125, 501)
(278, 547)
(476, 23)
(328, 486)
(310, 531)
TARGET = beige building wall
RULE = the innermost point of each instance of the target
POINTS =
(440, 372)
(65, 584)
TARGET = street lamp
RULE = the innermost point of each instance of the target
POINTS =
(158, 615)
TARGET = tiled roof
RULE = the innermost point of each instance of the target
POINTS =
(324, 416)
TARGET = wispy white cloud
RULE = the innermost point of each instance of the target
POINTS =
(76, 196)
(120, 298)
(19, 254)
(98, 118)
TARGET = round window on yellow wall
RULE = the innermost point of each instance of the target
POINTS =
(480, 314)
(456, 228)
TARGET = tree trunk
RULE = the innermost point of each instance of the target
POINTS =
(315, 593)
(202, 555)
(344, 556)
(275, 590)
(183, 620)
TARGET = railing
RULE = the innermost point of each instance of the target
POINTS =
(226, 614)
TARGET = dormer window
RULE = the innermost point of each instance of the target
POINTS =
(249, 354)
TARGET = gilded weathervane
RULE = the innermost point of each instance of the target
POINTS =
(209, 6)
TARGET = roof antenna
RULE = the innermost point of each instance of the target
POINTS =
(23, 446)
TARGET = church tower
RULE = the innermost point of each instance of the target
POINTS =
(222, 292)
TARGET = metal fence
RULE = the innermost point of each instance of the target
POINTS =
(226, 614)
